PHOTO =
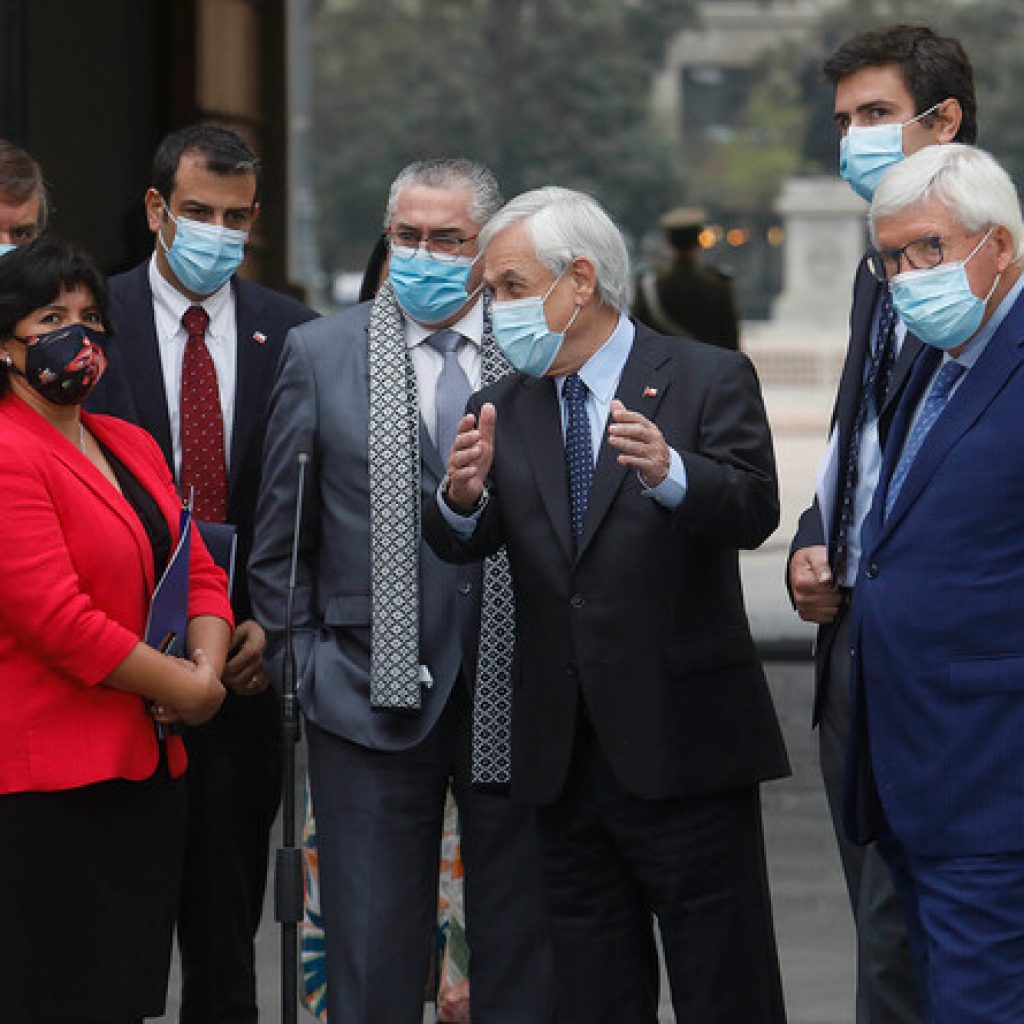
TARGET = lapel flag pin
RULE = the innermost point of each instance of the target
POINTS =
(259, 337)
(650, 392)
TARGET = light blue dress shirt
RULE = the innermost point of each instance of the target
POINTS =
(601, 373)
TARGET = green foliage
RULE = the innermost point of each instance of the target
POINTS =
(744, 172)
(543, 91)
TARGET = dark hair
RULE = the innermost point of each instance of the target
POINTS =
(933, 68)
(33, 275)
(684, 239)
(20, 176)
(374, 269)
(223, 151)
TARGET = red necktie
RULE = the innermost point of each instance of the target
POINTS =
(202, 425)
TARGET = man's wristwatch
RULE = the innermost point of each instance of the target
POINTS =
(463, 510)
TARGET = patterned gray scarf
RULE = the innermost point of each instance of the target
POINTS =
(394, 463)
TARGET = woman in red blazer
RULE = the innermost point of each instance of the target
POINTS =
(91, 800)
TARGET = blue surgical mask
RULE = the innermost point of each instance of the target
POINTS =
(203, 256)
(521, 331)
(865, 154)
(429, 290)
(5, 248)
(938, 304)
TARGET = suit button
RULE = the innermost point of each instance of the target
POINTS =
(571, 670)
(465, 587)
(872, 571)
(577, 601)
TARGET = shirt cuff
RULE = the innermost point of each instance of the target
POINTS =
(464, 526)
(672, 490)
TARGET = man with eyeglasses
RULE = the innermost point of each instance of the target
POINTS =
(23, 205)
(937, 778)
(897, 90)
(390, 640)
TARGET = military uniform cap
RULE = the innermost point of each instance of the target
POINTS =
(682, 217)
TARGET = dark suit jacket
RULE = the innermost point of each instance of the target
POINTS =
(698, 299)
(867, 293)
(936, 619)
(133, 387)
(647, 623)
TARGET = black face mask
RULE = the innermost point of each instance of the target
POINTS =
(64, 365)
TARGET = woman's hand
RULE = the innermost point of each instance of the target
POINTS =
(198, 694)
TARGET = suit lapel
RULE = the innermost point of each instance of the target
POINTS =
(642, 387)
(909, 351)
(141, 359)
(431, 458)
(979, 387)
(251, 365)
(545, 450)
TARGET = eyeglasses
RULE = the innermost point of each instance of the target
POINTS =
(405, 244)
(921, 254)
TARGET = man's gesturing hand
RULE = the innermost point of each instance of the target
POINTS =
(470, 459)
(640, 444)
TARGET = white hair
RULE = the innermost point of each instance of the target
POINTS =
(450, 173)
(563, 225)
(966, 180)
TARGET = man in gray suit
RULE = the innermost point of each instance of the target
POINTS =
(386, 668)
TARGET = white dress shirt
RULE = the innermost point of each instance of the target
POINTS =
(428, 362)
(169, 306)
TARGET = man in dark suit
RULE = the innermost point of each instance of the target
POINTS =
(641, 724)
(686, 297)
(197, 349)
(884, 79)
(936, 773)
(389, 640)
(23, 201)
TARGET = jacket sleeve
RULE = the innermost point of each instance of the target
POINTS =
(732, 493)
(293, 413)
(42, 602)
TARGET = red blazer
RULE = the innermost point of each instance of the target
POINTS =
(76, 575)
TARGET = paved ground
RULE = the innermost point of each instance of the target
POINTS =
(812, 919)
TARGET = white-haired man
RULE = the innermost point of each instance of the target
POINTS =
(387, 666)
(937, 774)
(623, 470)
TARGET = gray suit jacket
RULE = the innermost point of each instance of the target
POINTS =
(323, 390)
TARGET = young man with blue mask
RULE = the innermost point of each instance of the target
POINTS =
(897, 90)
(23, 201)
(198, 349)
(391, 642)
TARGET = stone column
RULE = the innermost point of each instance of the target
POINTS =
(826, 232)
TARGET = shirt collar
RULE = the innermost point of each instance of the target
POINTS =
(601, 372)
(172, 303)
(471, 327)
(979, 343)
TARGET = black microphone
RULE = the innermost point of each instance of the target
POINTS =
(288, 890)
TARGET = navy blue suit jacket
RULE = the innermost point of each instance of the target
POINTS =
(938, 623)
(867, 293)
(133, 387)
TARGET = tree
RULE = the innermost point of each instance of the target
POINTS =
(543, 91)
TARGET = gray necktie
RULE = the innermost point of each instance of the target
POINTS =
(453, 390)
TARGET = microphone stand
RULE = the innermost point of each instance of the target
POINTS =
(288, 887)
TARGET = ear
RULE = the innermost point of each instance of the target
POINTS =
(1006, 253)
(154, 209)
(584, 280)
(255, 212)
(948, 119)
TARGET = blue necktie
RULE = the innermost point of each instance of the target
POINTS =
(453, 390)
(579, 455)
(872, 393)
(941, 387)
